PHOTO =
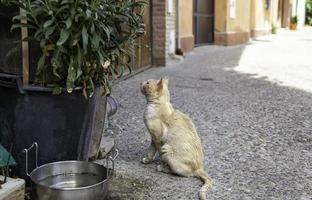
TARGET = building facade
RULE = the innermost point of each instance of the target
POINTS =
(175, 27)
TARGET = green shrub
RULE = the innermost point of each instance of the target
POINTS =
(294, 20)
(309, 12)
(273, 29)
(5, 2)
(82, 42)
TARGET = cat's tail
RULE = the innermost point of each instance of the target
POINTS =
(200, 173)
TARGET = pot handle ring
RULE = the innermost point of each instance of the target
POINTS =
(35, 144)
(112, 158)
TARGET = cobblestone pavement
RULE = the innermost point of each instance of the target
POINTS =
(252, 105)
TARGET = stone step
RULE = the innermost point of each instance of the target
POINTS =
(13, 189)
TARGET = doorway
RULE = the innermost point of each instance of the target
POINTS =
(203, 21)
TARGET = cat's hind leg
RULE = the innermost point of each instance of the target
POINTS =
(179, 168)
(175, 165)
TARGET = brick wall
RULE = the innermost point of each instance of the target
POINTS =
(164, 31)
(159, 32)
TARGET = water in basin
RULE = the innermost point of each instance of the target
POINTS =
(69, 181)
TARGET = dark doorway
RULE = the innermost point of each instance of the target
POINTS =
(280, 10)
(203, 21)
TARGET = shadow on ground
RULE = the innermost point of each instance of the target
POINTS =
(256, 134)
(124, 186)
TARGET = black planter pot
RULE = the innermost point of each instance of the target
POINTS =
(66, 127)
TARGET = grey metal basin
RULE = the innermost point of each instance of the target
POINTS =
(70, 180)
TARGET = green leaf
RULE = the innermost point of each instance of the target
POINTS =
(49, 31)
(112, 72)
(20, 17)
(130, 68)
(71, 76)
(100, 56)
(64, 2)
(88, 12)
(92, 28)
(106, 29)
(85, 39)
(121, 69)
(57, 90)
(91, 87)
(15, 26)
(79, 56)
(79, 63)
(20, 5)
(61, 9)
(48, 23)
(68, 22)
(38, 33)
(77, 17)
(84, 90)
(56, 62)
(63, 37)
(42, 43)
(96, 41)
(40, 64)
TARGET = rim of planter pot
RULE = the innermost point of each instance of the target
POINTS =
(35, 88)
(31, 88)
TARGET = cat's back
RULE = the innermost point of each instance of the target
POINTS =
(183, 139)
(182, 128)
(181, 120)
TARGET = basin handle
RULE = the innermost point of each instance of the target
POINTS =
(35, 144)
(112, 158)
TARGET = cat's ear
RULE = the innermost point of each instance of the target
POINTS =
(162, 82)
(165, 80)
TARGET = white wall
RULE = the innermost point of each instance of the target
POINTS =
(299, 11)
(170, 27)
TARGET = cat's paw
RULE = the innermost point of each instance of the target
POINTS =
(159, 168)
(163, 168)
(146, 160)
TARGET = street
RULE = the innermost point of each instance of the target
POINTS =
(252, 106)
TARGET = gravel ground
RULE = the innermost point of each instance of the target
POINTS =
(252, 105)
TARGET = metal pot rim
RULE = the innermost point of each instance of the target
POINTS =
(68, 189)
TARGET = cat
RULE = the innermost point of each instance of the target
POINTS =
(173, 136)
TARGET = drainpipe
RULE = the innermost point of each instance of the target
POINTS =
(179, 51)
(178, 25)
(296, 7)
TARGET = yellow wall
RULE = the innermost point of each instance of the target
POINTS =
(223, 22)
(186, 15)
(275, 19)
(251, 18)
(232, 30)
(241, 22)
(221, 10)
(262, 19)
